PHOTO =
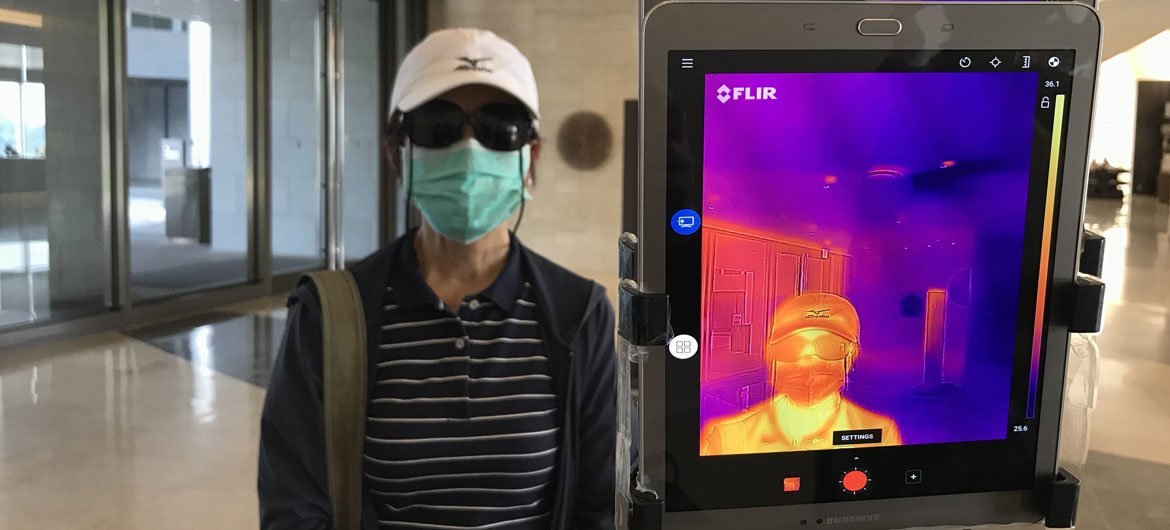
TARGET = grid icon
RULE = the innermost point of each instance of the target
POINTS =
(683, 347)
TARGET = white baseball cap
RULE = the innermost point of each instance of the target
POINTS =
(451, 58)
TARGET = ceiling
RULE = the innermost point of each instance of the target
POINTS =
(1131, 22)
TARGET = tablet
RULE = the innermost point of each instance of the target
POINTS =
(867, 218)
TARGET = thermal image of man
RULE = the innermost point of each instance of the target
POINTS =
(811, 348)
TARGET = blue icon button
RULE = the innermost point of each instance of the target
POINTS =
(686, 222)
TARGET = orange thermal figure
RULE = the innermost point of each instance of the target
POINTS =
(811, 348)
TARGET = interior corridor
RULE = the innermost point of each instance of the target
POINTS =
(157, 428)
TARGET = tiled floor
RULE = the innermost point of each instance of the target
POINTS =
(243, 347)
(111, 433)
(157, 428)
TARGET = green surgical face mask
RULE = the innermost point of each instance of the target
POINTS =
(466, 190)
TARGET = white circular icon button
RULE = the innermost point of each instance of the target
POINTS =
(683, 347)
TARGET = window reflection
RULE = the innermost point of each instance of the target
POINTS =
(53, 251)
(22, 102)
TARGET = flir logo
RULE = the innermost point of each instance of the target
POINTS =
(853, 519)
(744, 93)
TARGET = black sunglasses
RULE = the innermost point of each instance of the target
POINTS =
(498, 126)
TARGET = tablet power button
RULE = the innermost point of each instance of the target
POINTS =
(879, 27)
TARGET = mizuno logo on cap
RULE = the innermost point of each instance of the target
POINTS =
(817, 313)
(473, 65)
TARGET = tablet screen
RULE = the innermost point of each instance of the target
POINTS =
(858, 264)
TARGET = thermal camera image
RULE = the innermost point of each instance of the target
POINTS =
(863, 249)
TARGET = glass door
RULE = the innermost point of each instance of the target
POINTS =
(187, 145)
(53, 241)
(297, 135)
(360, 129)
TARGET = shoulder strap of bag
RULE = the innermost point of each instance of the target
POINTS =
(343, 350)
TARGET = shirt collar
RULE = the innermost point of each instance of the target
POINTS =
(411, 290)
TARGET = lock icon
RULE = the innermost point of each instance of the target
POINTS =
(1046, 102)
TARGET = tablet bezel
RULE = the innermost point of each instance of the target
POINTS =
(694, 25)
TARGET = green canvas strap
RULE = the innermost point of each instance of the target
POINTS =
(343, 351)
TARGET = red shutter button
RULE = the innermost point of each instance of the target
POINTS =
(855, 481)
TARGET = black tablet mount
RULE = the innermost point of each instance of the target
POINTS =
(644, 323)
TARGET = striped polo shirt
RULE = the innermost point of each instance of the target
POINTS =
(462, 430)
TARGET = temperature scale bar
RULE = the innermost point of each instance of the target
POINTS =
(1045, 253)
